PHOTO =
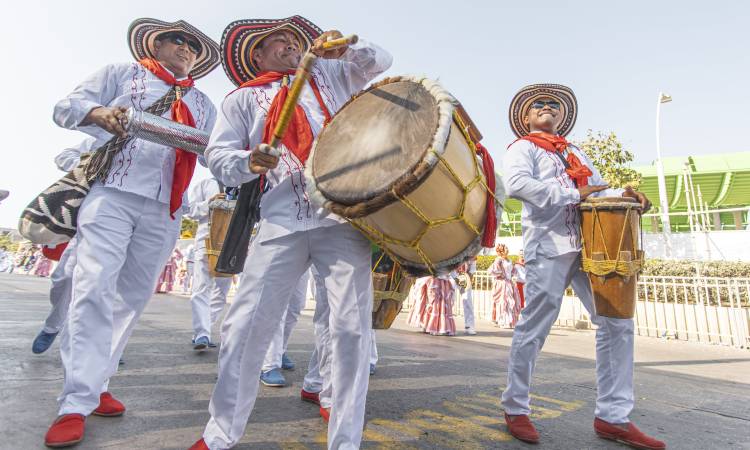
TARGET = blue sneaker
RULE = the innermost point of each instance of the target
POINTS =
(273, 378)
(42, 342)
(372, 369)
(201, 343)
(286, 362)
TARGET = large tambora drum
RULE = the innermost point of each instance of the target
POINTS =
(219, 216)
(612, 254)
(399, 161)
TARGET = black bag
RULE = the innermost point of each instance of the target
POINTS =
(244, 218)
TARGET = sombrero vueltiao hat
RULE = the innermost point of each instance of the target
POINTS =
(522, 101)
(241, 37)
(143, 32)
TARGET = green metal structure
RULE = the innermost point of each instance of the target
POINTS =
(723, 181)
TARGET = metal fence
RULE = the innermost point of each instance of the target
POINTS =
(702, 309)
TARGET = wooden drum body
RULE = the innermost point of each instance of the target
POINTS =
(399, 162)
(219, 217)
(390, 288)
(612, 253)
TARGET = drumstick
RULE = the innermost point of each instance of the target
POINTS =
(340, 42)
(300, 78)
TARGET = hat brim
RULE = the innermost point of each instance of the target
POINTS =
(242, 36)
(522, 101)
(143, 33)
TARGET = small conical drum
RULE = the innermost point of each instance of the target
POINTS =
(399, 162)
(219, 216)
(612, 254)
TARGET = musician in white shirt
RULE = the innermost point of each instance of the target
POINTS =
(551, 177)
(130, 220)
(293, 232)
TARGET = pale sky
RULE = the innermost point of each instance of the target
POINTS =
(616, 56)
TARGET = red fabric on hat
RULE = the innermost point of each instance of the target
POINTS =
(554, 143)
(54, 253)
(184, 165)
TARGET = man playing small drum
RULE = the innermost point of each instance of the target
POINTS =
(551, 177)
(260, 56)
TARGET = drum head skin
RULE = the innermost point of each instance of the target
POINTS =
(605, 203)
(377, 138)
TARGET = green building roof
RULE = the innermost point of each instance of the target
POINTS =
(723, 179)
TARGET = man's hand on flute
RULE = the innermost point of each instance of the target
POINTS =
(263, 158)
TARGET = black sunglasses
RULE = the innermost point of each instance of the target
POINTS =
(178, 39)
(539, 104)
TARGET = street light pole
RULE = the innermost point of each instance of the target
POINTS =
(663, 200)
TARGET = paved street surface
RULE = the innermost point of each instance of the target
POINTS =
(429, 392)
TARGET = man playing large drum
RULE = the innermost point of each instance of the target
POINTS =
(551, 177)
(260, 56)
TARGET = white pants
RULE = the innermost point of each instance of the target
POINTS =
(342, 257)
(60, 291)
(123, 242)
(318, 377)
(209, 295)
(467, 297)
(546, 280)
(289, 319)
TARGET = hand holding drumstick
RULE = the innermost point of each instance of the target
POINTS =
(329, 45)
(332, 44)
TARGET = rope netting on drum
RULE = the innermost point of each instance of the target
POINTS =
(382, 239)
(618, 265)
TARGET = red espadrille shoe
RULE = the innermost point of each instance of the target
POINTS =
(325, 413)
(200, 445)
(312, 397)
(65, 431)
(109, 406)
(630, 435)
(521, 428)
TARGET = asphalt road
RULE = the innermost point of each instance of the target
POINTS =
(428, 392)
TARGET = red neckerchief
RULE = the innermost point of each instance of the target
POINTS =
(299, 136)
(553, 143)
(184, 165)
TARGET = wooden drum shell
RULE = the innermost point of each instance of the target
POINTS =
(218, 224)
(614, 295)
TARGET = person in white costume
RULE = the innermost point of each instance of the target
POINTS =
(129, 222)
(276, 357)
(209, 294)
(551, 177)
(187, 282)
(465, 281)
(61, 277)
(316, 387)
(293, 233)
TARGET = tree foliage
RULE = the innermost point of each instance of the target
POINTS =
(611, 158)
(188, 228)
(5, 241)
